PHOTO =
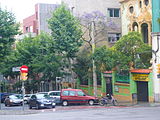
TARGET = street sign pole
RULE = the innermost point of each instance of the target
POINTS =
(24, 72)
(23, 92)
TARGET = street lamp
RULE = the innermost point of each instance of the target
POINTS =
(93, 62)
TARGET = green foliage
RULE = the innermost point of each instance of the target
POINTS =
(134, 49)
(129, 49)
(38, 54)
(66, 32)
(83, 67)
(8, 29)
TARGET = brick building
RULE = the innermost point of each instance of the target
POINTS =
(37, 22)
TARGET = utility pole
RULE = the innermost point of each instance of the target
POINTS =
(93, 62)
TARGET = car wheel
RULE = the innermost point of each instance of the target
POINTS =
(30, 107)
(90, 102)
(5, 104)
(65, 103)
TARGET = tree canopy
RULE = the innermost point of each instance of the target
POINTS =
(66, 32)
(8, 29)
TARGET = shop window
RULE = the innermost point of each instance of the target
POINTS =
(113, 12)
(131, 9)
(146, 2)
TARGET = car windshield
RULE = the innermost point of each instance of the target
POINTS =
(15, 97)
(40, 96)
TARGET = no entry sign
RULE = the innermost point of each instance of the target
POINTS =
(24, 69)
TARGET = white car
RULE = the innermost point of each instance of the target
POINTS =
(26, 98)
(55, 95)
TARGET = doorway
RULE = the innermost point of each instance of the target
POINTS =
(109, 85)
(142, 91)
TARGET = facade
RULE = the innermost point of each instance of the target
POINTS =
(155, 48)
(137, 16)
(111, 10)
(37, 22)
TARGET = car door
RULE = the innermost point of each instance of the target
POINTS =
(32, 100)
(55, 95)
(72, 98)
(81, 97)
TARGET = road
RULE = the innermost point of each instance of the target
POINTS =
(90, 113)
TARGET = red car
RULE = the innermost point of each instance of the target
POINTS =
(76, 96)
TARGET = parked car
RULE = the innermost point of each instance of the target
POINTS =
(4, 95)
(26, 98)
(41, 101)
(46, 93)
(76, 96)
(13, 100)
(55, 95)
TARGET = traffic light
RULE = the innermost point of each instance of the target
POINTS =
(24, 76)
(158, 68)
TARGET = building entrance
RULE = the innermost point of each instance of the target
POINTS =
(109, 85)
(142, 91)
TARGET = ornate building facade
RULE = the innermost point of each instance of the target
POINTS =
(137, 16)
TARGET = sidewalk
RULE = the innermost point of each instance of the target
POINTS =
(17, 112)
(142, 104)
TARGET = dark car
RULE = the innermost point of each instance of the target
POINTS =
(76, 96)
(13, 100)
(4, 95)
(41, 101)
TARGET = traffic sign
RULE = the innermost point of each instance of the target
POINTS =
(16, 69)
(24, 69)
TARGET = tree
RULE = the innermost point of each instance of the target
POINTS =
(8, 29)
(97, 21)
(137, 52)
(39, 55)
(66, 33)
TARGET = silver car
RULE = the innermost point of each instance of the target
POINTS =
(55, 95)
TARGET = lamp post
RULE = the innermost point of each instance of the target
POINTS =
(93, 62)
(0, 88)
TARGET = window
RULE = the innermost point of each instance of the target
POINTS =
(55, 94)
(131, 9)
(113, 37)
(113, 12)
(80, 93)
(72, 93)
(65, 93)
(27, 29)
(146, 2)
(140, 4)
(33, 97)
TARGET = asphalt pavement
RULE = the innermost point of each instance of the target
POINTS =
(18, 110)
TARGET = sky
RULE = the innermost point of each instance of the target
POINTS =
(23, 8)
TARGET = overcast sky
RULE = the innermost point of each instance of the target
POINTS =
(23, 8)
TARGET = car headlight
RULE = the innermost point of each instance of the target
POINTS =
(11, 100)
(53, 104)
(42, 105)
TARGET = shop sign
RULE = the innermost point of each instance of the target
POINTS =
(140, 77)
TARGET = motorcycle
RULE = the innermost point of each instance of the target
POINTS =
(108, 100)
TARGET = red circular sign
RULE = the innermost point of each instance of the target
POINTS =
(24, 69)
